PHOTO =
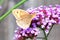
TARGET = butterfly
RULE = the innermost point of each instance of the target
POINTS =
(23, 18)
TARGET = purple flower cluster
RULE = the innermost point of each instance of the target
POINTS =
(0, 7)
(20, 34)
(45, 18)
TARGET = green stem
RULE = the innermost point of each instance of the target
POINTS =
(8, 12)
(50, 30)
(48, 33)
(1, 2)
(45, 35)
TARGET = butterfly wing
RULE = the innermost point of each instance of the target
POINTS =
(23, 18)
(17, 13)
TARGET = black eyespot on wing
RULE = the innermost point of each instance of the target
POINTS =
(17, 12)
